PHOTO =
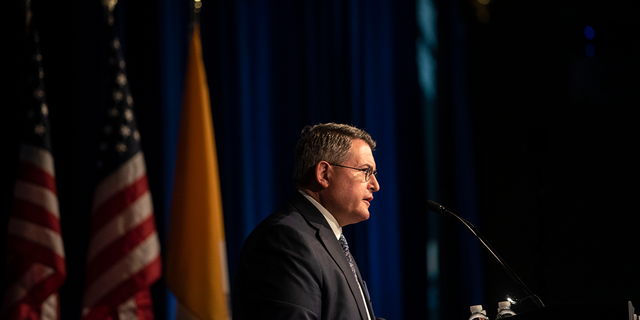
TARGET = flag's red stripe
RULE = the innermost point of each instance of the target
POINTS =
(119, 249)
(140, 281)
(144, 305)
(48, 287)
(36, 295)
(35, 175)
(22, 311)
(35, 214)
(118, 202)
(39, 292)
(37, 252)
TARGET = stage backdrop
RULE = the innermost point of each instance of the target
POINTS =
(444, 88)
(272, 68)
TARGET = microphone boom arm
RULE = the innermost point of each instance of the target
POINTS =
(433, 206)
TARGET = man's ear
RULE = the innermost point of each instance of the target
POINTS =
(322, 174)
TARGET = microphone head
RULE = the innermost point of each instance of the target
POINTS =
(434, 206)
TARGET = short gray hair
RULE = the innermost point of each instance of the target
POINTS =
(329, 142)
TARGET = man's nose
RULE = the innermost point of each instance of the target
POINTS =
(375, 186)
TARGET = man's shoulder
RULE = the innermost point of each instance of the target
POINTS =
(293, 219)
(297, 212)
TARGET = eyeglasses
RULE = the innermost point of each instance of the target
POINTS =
(368, 172)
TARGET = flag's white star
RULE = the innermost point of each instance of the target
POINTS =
(125, 131)
(121, 147)
(117, 96)
(128, 114)
(122, 79)
(39, 129)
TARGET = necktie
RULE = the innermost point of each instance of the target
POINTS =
(347, 253)
(345, 248)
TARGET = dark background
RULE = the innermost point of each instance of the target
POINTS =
(557, 146)
(554, 132)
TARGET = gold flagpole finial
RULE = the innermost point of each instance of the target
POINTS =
(110, 5)
(197, 5)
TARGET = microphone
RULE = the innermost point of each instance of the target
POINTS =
(436, 207)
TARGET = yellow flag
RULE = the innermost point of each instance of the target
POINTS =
(196, 265)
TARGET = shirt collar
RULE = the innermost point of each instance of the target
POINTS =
(333, 223)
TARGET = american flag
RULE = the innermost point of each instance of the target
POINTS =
(124, 252)
(35, 252)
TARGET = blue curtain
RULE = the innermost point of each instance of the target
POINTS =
(273, 67)
(276, 67)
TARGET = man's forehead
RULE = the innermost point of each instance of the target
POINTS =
(361, 152)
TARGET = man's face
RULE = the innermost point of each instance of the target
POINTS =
(348, 195)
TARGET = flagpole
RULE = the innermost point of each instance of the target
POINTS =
(123, 257)
(196, 264)
(195, 16)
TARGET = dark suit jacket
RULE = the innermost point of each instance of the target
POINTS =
(293, 267)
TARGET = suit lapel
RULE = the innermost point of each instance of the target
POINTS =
(335, 250)
(331, 244)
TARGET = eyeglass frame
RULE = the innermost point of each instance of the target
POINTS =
(368, 172)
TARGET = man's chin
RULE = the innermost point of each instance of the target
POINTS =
(364, 216)
(359, 218)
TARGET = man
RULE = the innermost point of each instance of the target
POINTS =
(296, 263)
